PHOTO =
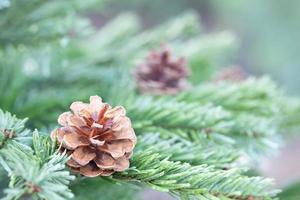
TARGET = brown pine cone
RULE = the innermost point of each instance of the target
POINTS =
(231, 74)
(99, 138)
(160, 74)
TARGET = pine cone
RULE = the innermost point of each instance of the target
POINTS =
(159, 74)
(99, 139)
(232, 74)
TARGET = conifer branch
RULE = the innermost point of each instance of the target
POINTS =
(177, 149)
(256, 96)
(39, 173)
(12, 128)
(196, 122)
(158, 172)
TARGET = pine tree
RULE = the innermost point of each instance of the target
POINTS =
(189, 143)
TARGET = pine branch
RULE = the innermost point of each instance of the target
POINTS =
(37, 172)
(12, 128)
(146, 112)
(196, 123)
(158, 172)
(255, 96)
(177, 149)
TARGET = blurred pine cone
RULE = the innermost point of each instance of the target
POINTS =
(99, 138)
(231, 74)
(160, 74)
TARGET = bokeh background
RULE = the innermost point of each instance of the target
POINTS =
(268, 31)
(268, 43)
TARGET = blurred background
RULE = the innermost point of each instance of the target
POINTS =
(268, 31)
(268, 43)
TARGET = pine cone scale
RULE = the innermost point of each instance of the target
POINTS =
(81, 109)
(90, 170)
(72, 163)
(117, 148)
(121, 164)
(121, 135)
(63, 118)
(72, 141)
(105, 161)
(83, 155)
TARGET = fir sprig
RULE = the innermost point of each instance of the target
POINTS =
(195, 122)
(158, 172)
(13, 128)
(31, 174)
(257, 96)
(178, 149)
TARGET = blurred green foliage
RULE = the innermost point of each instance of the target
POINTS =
(99, 188)
(269, 30)
(291, 192)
